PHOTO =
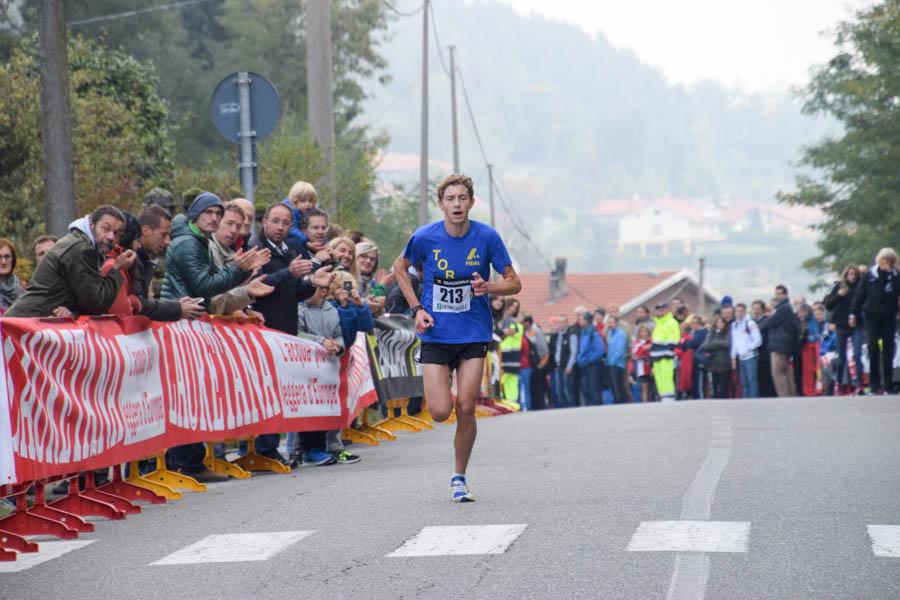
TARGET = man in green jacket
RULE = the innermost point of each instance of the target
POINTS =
(68, 281)
(190, 270)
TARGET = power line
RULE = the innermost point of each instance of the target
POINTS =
(437, 40)
(401, 13)
(134, 13)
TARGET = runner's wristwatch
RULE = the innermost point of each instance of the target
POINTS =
(416, 309)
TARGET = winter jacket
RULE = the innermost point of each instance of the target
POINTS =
(511, 348)
(616, 348)
(718, 346)
(320, 323)
(69, 275)
(590, 347)
(353, 319)
(280, 307)
(783, 327)
(745, 339)
(640, 354)
(877, 295)
(126, 304)
(296, 239)
(236, 298)
(141, 279)
(840, 305)
(190, 270)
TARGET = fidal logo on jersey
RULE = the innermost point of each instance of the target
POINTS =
(473, 259)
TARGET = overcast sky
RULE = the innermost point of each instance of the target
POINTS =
(757, 45)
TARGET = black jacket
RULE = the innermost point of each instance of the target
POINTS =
(718, 347)
(280, 307)
(877, 295)
(141, 279)
(783, 328)
(840, 305)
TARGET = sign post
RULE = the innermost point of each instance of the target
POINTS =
(245, 108)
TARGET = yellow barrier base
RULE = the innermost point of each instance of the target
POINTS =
(376, 432)
(256, 462)
(223, 467)
(172, 479)
(481, 412)
(404, 422)
(134, 478)
(359, 437)
(515, 406)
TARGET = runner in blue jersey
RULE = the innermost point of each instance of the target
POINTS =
(453, 317)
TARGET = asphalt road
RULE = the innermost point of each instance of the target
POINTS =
(802, 479)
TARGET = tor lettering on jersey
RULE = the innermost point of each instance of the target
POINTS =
(443, 265)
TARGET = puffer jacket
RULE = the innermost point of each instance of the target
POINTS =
(190, 270)
(877, 295)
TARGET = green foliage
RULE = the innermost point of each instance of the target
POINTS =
(853, 177)
(120, 133)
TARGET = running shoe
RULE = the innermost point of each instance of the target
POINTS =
(317, 458)
(343, 457)
(461, 491)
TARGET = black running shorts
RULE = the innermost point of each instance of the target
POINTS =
(451, 354)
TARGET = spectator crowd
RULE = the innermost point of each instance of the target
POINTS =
(844, 344)
(292, 269)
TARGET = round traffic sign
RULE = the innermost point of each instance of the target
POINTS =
(225, 107)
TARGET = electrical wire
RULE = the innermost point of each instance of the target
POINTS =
(401, 13)
(134, 13)
(437, 39)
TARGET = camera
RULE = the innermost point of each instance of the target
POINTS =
(348, 287)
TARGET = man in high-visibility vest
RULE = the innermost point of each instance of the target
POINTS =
(666, 336)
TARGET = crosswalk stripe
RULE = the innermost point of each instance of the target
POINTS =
(46, 551)
(234, 547)
(885, 540)
(460, 540)
(690, 536)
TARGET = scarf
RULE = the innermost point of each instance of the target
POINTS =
(10, 290)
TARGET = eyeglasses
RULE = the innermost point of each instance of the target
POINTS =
(6, 257)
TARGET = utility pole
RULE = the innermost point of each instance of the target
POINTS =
(702, 301)
(453, 109)
(423, 151)
(56, 119)
(491, 193)
(320, 86)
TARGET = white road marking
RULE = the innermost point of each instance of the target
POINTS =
(885, 540)
(690, 536)
(234, 547)
(691, 571)
(458, 540)
(46, 551)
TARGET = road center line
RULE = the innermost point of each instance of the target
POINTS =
(691, 571)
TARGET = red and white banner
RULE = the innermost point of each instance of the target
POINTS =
(100, 391)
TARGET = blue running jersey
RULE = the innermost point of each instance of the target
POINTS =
(448, 264)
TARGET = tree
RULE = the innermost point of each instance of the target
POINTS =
(853, 176)
(121, 134)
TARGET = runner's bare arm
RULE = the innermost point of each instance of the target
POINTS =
(508, 286)
(401, 274)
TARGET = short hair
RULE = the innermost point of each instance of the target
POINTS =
(356, 235)
(781, 287)
(528, 319)
(41, 239)
(644, 308)
(758, 302)
(303, 190)
(741, 305)
(313, 212)
(272, 207)
(7, 243)
(153, 215)
(107, 211)
(335, 231)
(600, 311)
(160, 197)
(235, 208)
(456, 179)
(613, 317)
(888, 253)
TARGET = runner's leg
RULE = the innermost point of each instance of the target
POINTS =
(468, 379)
(436, 380)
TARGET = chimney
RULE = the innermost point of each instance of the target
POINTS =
(558, 281)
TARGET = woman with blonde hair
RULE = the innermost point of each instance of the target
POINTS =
(876, 299)
(343, 250)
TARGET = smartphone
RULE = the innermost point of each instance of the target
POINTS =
(348, 287)
(198, 300)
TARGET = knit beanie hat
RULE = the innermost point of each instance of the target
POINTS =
(203, 201)
(366, 246)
